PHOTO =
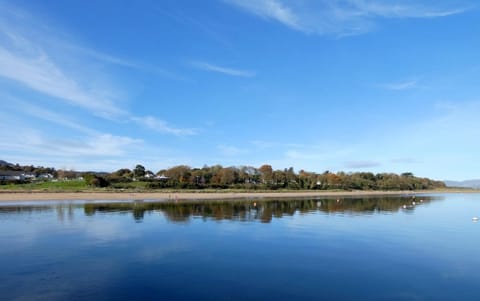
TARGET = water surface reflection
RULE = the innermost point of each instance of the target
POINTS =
(378, 248)
(262, 210)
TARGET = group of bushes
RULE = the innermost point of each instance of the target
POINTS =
(347, 182)
(251, 178)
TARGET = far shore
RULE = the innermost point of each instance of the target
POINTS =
(172, 196)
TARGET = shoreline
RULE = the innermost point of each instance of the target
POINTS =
(172, 196)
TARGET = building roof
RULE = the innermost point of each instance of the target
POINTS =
(16, 173)
(11, 173)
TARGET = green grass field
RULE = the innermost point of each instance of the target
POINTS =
(81, 186)
(48, 186)
(73, 186)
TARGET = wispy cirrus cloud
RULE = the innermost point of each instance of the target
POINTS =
(39, 73)
(113, 60)
(28, 63)
(59, 119)
(50, 116)
(34, 64)
(404, 160)
(343, 17)
(401, 85)
(361, 164)
(230, 150)
(162, 126)
(271, 9)
(14, 21)
(84, 148)
(84, 141)
(224, 70)
(405, 9)
(27, 140)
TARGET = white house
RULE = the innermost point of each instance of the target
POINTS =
(45, 176)
(11, 175)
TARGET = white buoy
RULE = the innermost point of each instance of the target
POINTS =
(475, 219)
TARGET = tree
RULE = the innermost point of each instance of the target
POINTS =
(98, 181)
(139, 171)
(95, 181)
(179, 174)
(124, 173)
(226, 176)
(266, 173)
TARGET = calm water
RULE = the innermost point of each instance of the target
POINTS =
(315, 249)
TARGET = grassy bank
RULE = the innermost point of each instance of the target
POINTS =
(140, 186)
(67, 186)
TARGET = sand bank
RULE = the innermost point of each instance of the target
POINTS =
(50, 196)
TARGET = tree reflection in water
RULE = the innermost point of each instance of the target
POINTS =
(262, 210)
(259, 210)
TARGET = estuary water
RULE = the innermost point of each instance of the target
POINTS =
(379, 248)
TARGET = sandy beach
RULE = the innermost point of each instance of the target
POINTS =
(165, 196)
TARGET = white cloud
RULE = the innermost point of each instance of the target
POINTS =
(107, 145)
(317, 152)
(262, 144)
(19, 137)
(162, 126)
(50, 116)
(442, 145)
(270, 9)
(313, 157)
(361, 164)
(404, 160)
(29, 62)
(26, 140)
(85, 148)
(107, 58)
(342, 17)
(229, 150)
(402, 85)
(223, 70)
(14, 21)
(41, 74)
(401, 9)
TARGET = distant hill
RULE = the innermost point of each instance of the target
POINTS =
(466, 184)
(5, 163)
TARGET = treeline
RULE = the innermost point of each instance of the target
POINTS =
(265, 178)
(243, 177)
(34, 170)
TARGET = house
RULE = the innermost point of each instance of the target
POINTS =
(29, 176)
(12, 175)
(162, 177)
(149, 175)
(45, 176)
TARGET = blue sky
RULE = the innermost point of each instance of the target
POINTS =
(352, 85)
